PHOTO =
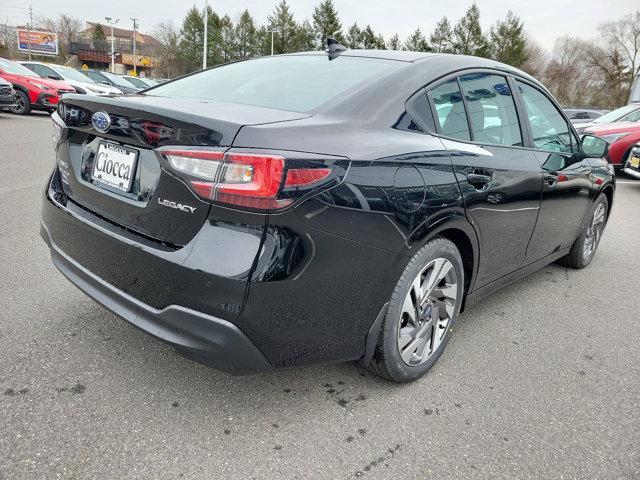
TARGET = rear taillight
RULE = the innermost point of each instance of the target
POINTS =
(256, 180)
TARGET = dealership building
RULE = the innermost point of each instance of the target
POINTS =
(93, 48)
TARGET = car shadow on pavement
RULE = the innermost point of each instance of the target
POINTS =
(120, 352)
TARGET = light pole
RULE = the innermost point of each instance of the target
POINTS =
(206, 21)
(112, 22)
(135, 59)
(273, 30)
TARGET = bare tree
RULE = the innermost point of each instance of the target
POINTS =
(624, 36)
(8, 40)
(570, 74)
(168, 63)
(537, 59)
(66, 27)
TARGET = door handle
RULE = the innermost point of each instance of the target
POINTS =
(478, 180)
(551, 178)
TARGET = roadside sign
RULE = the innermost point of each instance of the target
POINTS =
(37, 41)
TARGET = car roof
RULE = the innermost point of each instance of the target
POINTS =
(398, 55)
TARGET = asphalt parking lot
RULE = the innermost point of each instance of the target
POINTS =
(541, 380)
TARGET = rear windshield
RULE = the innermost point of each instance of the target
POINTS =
(297, 83)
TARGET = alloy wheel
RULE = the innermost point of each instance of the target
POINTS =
(20, 104)
(427, 311)
(594, 232)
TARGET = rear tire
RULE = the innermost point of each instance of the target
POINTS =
(585, 246)
(421, 314)
(23, 104)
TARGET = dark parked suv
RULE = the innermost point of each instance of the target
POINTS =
(316, 208)
(7, 95)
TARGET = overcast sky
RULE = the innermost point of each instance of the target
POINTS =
(545, 20)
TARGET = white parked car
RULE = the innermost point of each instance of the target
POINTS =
(77, 80)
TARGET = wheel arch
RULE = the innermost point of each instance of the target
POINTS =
(608, 191)
(459, 231)
(17, 86)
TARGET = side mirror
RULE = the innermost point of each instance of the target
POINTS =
(594, 147)
(54, 77)
(104, 82)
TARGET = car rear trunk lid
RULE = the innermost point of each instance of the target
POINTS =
(145, 196)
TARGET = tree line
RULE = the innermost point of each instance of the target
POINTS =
(229, 39)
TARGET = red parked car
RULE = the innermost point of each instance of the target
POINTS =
(623, 137)
(32, 92)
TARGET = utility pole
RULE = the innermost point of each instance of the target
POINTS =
(135, 58)
(113, 53)
(273, 30)
(206, 29)
(29, 30)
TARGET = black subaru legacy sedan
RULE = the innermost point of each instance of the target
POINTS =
(320, 208)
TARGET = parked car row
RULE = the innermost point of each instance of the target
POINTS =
(621, 128)
(38, 85)
(32, 92)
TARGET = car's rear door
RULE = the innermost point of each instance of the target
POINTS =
(567, 182)
(500, 180)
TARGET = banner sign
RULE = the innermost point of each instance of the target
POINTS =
(140, 60)
(40, 43)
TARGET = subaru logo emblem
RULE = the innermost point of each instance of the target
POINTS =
(101, 121)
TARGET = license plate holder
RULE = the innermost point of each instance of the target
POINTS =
(115, 166)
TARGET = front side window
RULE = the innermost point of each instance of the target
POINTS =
(549, 128)
(492, 111)
(451, 117)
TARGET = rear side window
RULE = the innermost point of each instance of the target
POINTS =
(296, 83)
(450, 114)
(492, 111)
(549, 128)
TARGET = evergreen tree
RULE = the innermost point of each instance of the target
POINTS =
(246, 36)
(467, 35)
(508, 42)
(442, 37)
(191, 34)
(371, 41)
(98, 32)
(416, 42)
(215, 53)
(227, 37)
(326, 23)
(282, 20)
(354, 37)
(263, 40)
(393, 43)
(304, 38)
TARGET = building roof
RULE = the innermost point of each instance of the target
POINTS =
(121, 33)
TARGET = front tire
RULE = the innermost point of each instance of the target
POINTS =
(585, 246)
(422, 311)
(23, 104)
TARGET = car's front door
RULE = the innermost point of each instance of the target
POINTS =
(567, 185)
(499, 178)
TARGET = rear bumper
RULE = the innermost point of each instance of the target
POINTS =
(206, 339)
(238, 293)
